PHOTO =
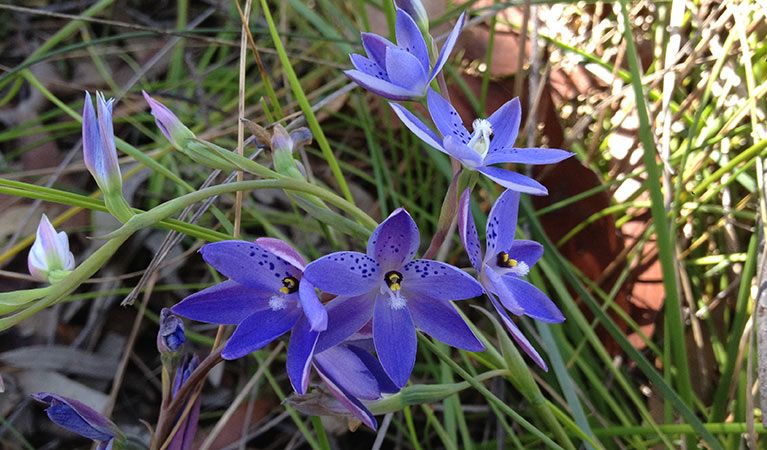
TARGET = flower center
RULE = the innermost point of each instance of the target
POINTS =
(393, 282)
(480, 138)
(509, 265)
(278, 302)
(289, 285)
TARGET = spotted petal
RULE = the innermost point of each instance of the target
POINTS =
(505, 122)
(447, 48)
(381, 87)
(249, 264)
(346, 316)
(345, 273)
(226, 303)
(446, 118)
(439, 280)
(405, 70)
(440, 320)
(369, 67)
(394, 242)
(502, 223)
(375, 47)
(468, 230)
(514, 181)
(417, 127)
(410, 39)
(259, 329)
(395, 339)
(526, 155)
(518, 336)
(282, 249)
(300, 351)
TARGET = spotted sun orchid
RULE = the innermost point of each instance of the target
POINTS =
(265, 297)
(402, 71)
(491, 142)
(503, 265)
(399, 292)
(184, 437)
(81, 419)
(49, 258)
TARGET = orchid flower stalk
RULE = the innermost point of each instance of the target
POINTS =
(100, 155)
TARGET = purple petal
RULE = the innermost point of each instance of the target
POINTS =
(502, 224)
(313, 308)
(226, 303)
(369, 67)
(162, 115)
(520, 338)
(405, 70)
(394, 242)
(283, 250)
(526, 155)
(410, 39)
(77, 417)
(104, 108)
(260, 329)
(446, 118)
(468, 230)
(534, 302)
(439, 280)
(440, 320)
(468, 157)
(349, 372)
(528, 252)
(249, 264)
(380, 87)
(505, 123)
(496, 285)
(300, 352)
(375, 47)
(447, 48)
(395, 339)
(417, 127)
(514, 181)
(352, 404)
(346, 316)
(385, 384)
(345, 273)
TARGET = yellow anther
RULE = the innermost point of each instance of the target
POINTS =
(504, 260)
(285, 290)
(513, 262)
(395, 287)
(290, 285)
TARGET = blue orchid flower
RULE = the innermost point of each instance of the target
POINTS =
(505, 261)
(79, 418)
(99, 151)
(399, 292)
(401, 71)
(266, 296)
(490, 143)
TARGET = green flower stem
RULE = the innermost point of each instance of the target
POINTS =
(59, 290)
(303, 102)
(492, 398)
(118, 206)
(11, 301)
(168, 208)
(426, 393)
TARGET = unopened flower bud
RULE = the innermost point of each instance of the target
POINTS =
(49, 258)
(171, 337)
(416, 10)
(81, 419)
(175, 131)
